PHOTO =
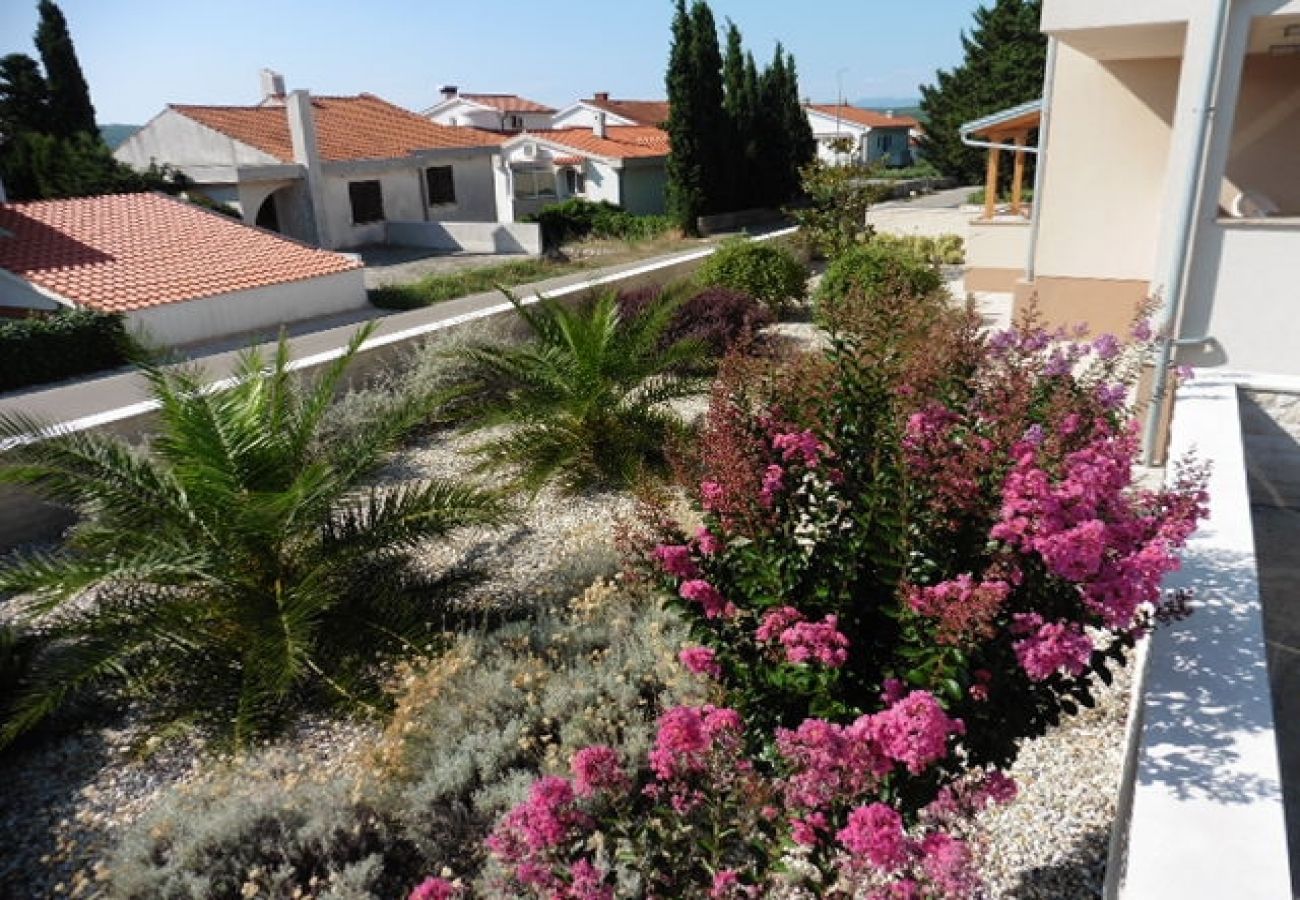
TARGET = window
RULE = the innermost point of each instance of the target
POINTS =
(367, 202)
(514, 122)
(534, 184)
(575, 182)
(441, 185)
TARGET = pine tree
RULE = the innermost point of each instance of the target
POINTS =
(70, 109)
(685, 176)
(24, 98)
(1005, 57)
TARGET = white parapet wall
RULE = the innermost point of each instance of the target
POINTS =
(469, 237)
(1201, 813)
(206, 318)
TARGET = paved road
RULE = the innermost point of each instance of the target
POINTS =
(949, 199)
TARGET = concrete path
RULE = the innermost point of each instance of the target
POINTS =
(949, 199)
(943, 212)
(387, 264)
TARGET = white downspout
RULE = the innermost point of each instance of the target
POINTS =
(1044, 126)
(1175, 285)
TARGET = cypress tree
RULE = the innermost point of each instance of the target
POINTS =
(70, 109)
(684, 170)
(709, 115)
(739, 103)
(1004, 58)
(803, 145)
(24, 98)
(775, 150)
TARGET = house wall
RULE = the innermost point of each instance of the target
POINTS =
(402, 184)
(469, 237)
(579, 116)
(467, 114)
(179, 140)
(174, 324)
(644, 187)
(996, 253)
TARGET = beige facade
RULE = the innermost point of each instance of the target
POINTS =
(1170, 174)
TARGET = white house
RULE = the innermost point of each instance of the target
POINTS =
(176, 272)
(872, 137)
(331, 171)
(623, 164)
(584, 113)
(492, 112)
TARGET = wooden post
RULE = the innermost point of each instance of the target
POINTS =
(991, 183)
(1018, 178)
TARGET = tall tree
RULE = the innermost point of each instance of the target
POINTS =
(71, 111)
(803, 145)
(710, 119)
(685, 176)
(740, 93)
(1005, 57)
(24, 98)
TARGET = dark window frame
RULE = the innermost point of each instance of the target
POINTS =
(442, 191)
(367, 201)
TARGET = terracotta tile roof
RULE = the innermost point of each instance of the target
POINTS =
(361, 127)
(867, 117)
(508, 103)
(642, 112)
(123, 252)
(620, 141)
(568, 160)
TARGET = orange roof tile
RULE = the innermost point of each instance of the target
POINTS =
(642, 112)
(361, 127)
(124, 252)
(867, 117)
(620, 141)
(509, 103)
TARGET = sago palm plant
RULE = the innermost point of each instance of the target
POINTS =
(239, 566)
(584, 403)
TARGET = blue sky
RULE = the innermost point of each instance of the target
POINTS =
(139, 55)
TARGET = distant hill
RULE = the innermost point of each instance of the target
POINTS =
(114, 135)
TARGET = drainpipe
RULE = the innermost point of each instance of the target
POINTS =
(1044, 126)
(1175, 285)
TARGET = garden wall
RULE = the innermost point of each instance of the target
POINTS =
(1201, 813)
(25, 518)
(468, 237)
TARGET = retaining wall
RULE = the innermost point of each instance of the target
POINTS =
(468, 237)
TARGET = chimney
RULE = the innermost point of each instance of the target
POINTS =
(272, 86)
(598, 125)
(602, 97)
(449, 91)
(889, 114)
(306, 152)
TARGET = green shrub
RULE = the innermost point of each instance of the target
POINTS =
(585, 401)
(576, 218)
(976, 198)
(940, 250)
(869, 273)
(470, 731)
(67, 343)
(760, 269)
(242, 566)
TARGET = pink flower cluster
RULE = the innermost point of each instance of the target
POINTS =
(964, 607)
(715, 606)
(799, 446)
(696, 749)
(802, 640)
(548, 818)
(675, 559)
(874, 834)
(701, 661)
(832, 764)
(1087, 526)
(598, 769)
(773, 484)
(1050, 646)
(435, 889)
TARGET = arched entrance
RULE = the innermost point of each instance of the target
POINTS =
(268, 216)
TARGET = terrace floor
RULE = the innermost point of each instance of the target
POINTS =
(1271, 429)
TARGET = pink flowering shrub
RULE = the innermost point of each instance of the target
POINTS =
(918, 549)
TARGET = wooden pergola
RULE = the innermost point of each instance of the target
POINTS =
(1008, 130)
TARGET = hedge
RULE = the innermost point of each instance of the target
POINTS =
(67, 343)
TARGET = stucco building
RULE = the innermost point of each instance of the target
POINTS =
(331, 171)
(871, 137)
(508, 113)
